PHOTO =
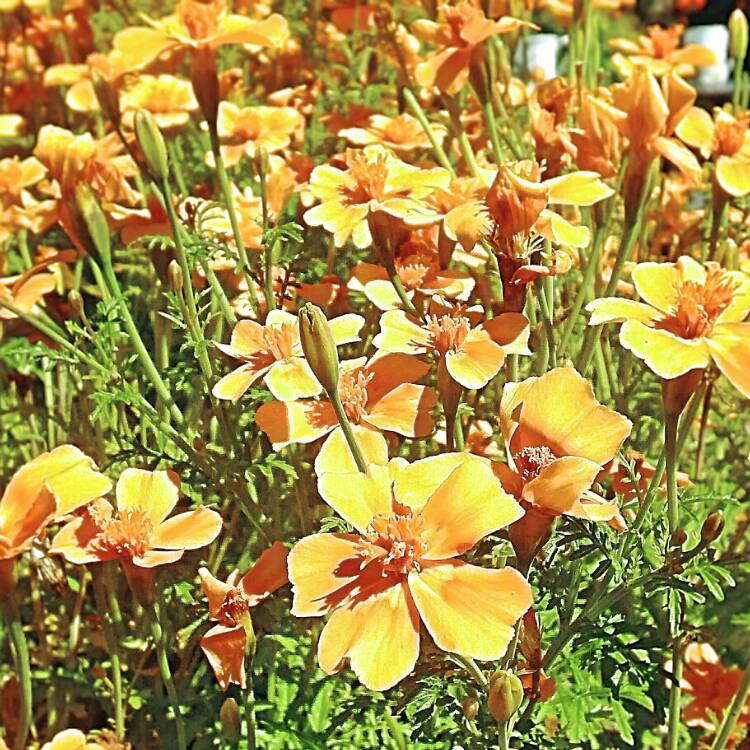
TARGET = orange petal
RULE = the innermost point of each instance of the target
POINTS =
(152, 491)
(399, 333)
(379, 632)
(470, 610)
(152, 558)
(268, 574)
(730, 348)
(190, 530)
(291, 379)
(477, 361)
(389, 370)
(234, 385)
(336, 457)
(733, 174)
(214, 589)
(295, 421)
(73, 539)
(559, 485)
(406, 410)
(225, 650)
(509, 330)
(614, 309)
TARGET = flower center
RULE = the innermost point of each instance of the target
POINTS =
(233, 609)
(199, 18)
(531, 460)
(369, 177)
(400, 534)
(280, 339)
(731, 135)
(127, 534)
(414, 270)
(447, 332)
(402, 129)
(353, 393)
(699, 305)
(665, 41)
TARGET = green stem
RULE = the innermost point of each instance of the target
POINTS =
(113, 631)
(157, 633)
(176, 165)
(346, 427)
(437, 149)
(249, 711)
(670, 453)
(23, 671)
(733, 712)
(471, 667)
(502, 735)
(406, 303)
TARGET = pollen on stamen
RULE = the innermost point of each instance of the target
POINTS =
(447, 332)
(531, 460)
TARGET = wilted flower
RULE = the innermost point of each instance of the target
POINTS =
(401, 566)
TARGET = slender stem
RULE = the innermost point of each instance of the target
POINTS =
(670, 452)
(502, 735)
(157, 633)
(437, 149)
(23, 671)
(346, 427)
(733, 712)
(471, 667)
(249, 710)
(406, 303)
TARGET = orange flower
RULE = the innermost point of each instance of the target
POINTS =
(557, 438)
(71, 739)
(48, 486)
(596, 143)
(225, 644)
(274, 352)
(195, 24)
(472, 351)
(400, 134)
(690, 316)
(24, 291)
(660, 53)
(138, 532)
(169, 99)
(401, 566)
(459, 35)
(377, 395)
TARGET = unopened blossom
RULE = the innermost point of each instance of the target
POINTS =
(689, 316)
(274, 353)
(401, 567)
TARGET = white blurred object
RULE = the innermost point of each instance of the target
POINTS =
(540, 52)
(716, 38)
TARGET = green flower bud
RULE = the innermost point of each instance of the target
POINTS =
(319, 347)
(93, 224)
(152, 144)
(505, 694)
(174, 275)
(712, 527)
(738, 34)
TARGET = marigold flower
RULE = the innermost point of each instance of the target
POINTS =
(375, 181)
(472, 350)
(563, 10)
(401, 134)
(244, 131)
(225, 644)
(70, 739)
(168, 98)
(24, 291)
(726, 140)
(11, 125)
(274, 352)
(660, 53)
(401, 566)
(557, 437)
(49, 486)
(377, 395)
(690, 316)
(138, 531)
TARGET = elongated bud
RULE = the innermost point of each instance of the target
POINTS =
(205, 82)
(174, 275)
(470, 707)
(94, 222)
(260, 162)
(712, 527)
(152, 144)
(505, 694)
(319, 347)
(229, 714)
(738, 35)
(109, 102)
(75, 300)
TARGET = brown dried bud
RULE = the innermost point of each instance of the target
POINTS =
(470, 707)
(679, 537)
(229, 714)
(75, 300)
(205, 80)
(712, 527)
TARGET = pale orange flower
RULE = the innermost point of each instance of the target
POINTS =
(168, 98)
(274, 352)
(401, 566)
(379, 395)
(138, 532)
(557, 437)
(660, 53)
(691, 315)
(401, 134)
(24, 291)
(471, 350)
(225, 644)
(47, 487)
(71, 739)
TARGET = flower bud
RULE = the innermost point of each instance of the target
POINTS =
(679, 537)
(388, 234)
(229, 714)
(470, 707)
(175, 277)
(205, 82)
(93, 227)
(109, 102)
(319, 347)
(75, 300)
(505, 694)
(151, 141)
(738, 35)
(676, 392)
(712, 527)
(260, 162)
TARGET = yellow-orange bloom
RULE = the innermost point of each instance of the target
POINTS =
(726, 140)
(471, 350)
(71, 739)
(195, 24)
(375, 181)
(400, 134)
(557, 438)
(225, 644)
(401, 566)
(274, 352)
(660, 53)
(48, 486)
(169, 99)
(138, 531)
(690, 316)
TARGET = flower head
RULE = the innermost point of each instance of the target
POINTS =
(168, 98)
(401, 566)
